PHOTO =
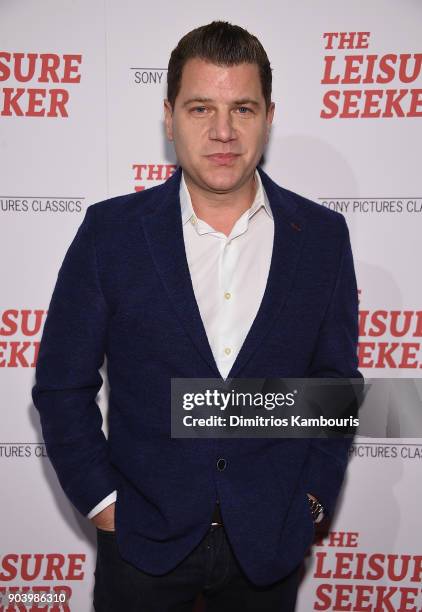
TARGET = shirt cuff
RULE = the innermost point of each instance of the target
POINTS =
(103, 504)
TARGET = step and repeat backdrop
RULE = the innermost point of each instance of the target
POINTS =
(81, 120)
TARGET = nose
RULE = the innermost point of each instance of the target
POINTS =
(221, 127)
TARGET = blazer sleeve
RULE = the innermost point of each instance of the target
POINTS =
(335, 356)
(67, 377)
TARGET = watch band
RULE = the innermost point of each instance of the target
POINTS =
(317, 509)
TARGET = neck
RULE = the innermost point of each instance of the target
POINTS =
(221, 210)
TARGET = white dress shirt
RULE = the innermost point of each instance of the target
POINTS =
(229, 275)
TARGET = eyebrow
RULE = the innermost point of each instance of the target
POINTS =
(237, 102)
(196, 99)
(247, 101)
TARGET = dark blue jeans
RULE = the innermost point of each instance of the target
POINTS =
(211, 569)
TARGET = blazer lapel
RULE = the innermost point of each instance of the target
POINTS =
(164, 233)
(289, 226)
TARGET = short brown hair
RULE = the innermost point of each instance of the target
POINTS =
(223, 44)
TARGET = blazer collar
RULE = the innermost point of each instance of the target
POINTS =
(164, 234)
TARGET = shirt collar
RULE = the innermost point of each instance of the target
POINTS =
(261, 200)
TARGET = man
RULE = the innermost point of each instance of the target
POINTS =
(219, 272)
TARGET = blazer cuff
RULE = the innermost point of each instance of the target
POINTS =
(326, 472)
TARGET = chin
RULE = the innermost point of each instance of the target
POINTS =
(221, 181)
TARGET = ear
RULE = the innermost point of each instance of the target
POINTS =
(269, 119)
(168, 118)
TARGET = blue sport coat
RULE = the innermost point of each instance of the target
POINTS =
(124, 291)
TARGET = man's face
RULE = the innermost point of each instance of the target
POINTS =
(219, 124)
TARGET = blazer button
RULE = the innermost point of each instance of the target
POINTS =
(221, 464)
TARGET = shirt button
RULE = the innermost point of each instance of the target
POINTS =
(227, 295)
(221, 465)
(227, 350)
(193, 220)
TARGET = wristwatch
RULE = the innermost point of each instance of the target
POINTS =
(317, 509)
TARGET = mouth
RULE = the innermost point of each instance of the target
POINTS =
(222, 158)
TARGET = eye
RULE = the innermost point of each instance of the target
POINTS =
(199, 110)
(244, 110)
